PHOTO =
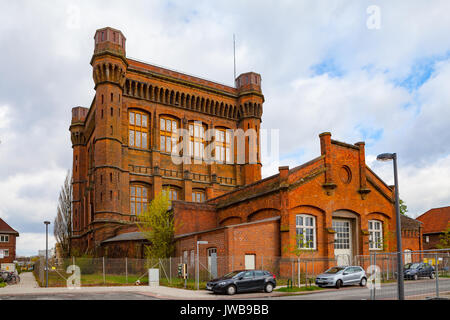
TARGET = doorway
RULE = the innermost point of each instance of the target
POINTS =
(250, 261)
(212, 262)
(343, 241)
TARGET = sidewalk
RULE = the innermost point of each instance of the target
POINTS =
(28, 285)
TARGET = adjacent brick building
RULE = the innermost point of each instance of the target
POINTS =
(411, 234)
(333, 205)
(435, 222)
(7, 242)
(341, 206)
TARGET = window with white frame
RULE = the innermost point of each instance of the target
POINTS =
(375, 235)
(306, 231)
(4, 238)
(5, 252)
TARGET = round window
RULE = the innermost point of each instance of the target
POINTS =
(345, 174)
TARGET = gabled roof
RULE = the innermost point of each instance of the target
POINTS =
(5, 228)
(410, 223)
(435, 220)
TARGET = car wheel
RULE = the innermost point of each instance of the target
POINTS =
(363, 282)
(268, 288)
(231, 290)
(415, 277)
(338, 284)
(432, 275)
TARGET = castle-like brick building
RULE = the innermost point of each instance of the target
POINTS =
(333, 205)
(122, 144)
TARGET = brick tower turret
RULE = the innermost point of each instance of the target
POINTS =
(250, 112)
(109, 72)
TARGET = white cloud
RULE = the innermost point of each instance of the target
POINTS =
(28, 243)
(30, 198)
(48, 73)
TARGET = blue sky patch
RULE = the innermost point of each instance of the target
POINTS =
(329, 67)
(420, 72)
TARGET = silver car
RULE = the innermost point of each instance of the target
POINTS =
(341, 276)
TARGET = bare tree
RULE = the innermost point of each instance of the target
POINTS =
(62, 228)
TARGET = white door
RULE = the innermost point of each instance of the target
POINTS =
(408, 256)
(250, 262)
(342, 241)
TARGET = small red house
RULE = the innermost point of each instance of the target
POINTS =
(435, 221)
(7, 242)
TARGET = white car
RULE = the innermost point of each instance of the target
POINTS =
(341, 276)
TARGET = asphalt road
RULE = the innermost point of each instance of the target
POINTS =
(419, 289)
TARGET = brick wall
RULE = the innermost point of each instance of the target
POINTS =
(11, 246)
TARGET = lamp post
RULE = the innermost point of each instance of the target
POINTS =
(46, 252)
(198, 264)
(400, 284)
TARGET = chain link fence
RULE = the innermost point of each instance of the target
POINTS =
(428, 276)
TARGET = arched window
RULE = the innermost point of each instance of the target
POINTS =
(306, 231)
(223, 145)
(168, 134)
(138, 130)
(198, 195)
(375, 235)
(197, 139)
(138, 199)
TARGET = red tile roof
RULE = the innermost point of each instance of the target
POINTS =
(435, 220)
(5, 228)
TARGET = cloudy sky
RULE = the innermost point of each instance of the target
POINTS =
(325, 66)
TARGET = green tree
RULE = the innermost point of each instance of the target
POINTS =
(157, 225)
(403, 207)
(62, 228)
(303, 249)
(444, 239)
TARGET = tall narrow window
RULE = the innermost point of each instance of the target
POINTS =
(138, 130)
(375, 235)
(197, 139)
(306, 231)
(138, 199)
(223, 145)
(168, 134)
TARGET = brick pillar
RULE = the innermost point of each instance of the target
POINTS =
(325, 149)
(363, 190)
(285, 230)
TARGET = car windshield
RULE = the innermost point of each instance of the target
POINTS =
(408, 266)
(415, 266)
(231, 274)
(334, 270)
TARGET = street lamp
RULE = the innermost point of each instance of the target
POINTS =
(198, 264)
(400, 284)
(46, 252)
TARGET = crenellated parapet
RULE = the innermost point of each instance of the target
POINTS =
(77, 126)
(109, 62)
(109, 72)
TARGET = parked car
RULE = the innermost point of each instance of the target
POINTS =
(416, 270)
(243, 281)
(341, 276)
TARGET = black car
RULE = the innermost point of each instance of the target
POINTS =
(243, 281)
(416, 270)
